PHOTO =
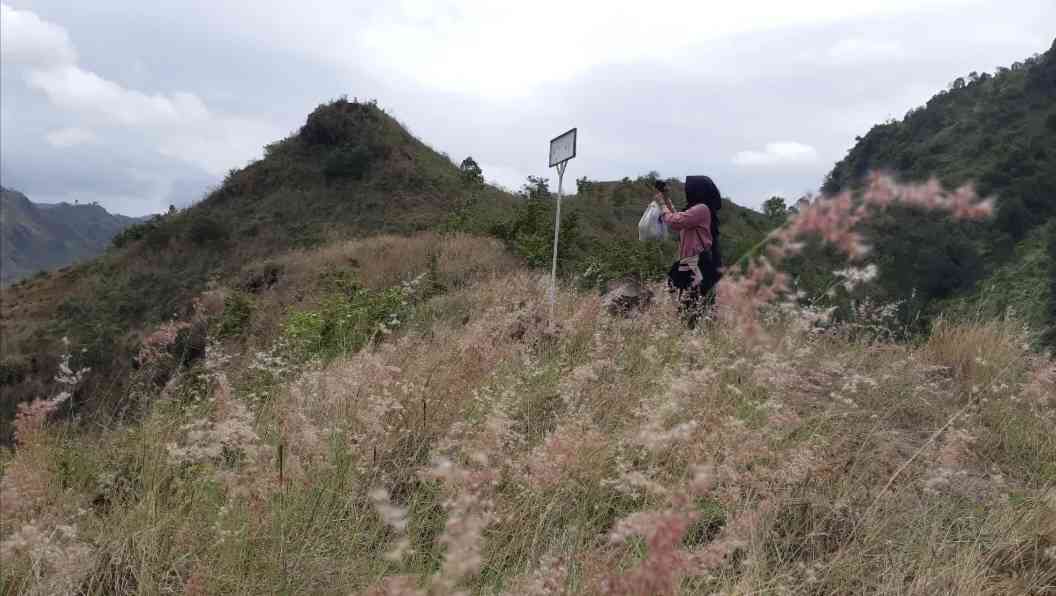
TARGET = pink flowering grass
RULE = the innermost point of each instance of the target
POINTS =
(157, 343)
(836, 221)
(483, 450)
(38, 530)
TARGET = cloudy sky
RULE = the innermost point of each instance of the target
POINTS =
(141, 104)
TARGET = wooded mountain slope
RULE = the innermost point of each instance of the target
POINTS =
(998, 132)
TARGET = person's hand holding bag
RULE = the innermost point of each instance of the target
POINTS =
(649, 226)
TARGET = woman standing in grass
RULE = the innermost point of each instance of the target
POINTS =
(699, 263)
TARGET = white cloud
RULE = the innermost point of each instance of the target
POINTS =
(70, 137)
(220, 144)
(778, 153)
(678, 87)
(504, 50)
(179, 124)
(74, 89)
(861, 50)
(26, 40)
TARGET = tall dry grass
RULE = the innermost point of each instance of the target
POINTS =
(491, 449)
(508, 454)
(386, 260)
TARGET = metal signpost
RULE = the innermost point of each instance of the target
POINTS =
(562, 149)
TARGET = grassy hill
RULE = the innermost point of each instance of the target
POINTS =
(288, 400)
(473, 446)
(351, 171)
(996, 131)
(36, 236)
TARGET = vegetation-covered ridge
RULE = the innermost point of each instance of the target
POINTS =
(997, 132)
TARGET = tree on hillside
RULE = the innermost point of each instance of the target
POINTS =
(649, 177)
(536, 188)
(583, 185)
(921, 255)
(471, 172)
(776, 210)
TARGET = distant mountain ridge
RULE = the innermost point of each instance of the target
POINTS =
(43, 236)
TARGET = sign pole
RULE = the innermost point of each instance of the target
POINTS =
(557, 235)
(562, 149)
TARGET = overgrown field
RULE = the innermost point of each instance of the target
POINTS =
(424, 426)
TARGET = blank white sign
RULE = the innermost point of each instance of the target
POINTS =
(563, 148)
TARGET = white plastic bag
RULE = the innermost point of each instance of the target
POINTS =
(650, 227)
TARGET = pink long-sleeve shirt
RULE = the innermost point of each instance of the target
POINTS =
(694, 228)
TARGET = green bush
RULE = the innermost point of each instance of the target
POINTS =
(158, 237)
(205, 230)
(344, 323)
(130, 234)
(646, 261)
(529, 231)
(238, 310)
(349, 161)
(91, 325)
(156, 234)
(337, 122)
(13, 370)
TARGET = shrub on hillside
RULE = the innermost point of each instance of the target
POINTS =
(129, 234)
(646, 261)
(348, 161)
(470, 173)
(337, 123)
(205, 230)
(529, 232)
(153, 231)
(13, 370)
(158, 237)
(238, 310)
(346, 321)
